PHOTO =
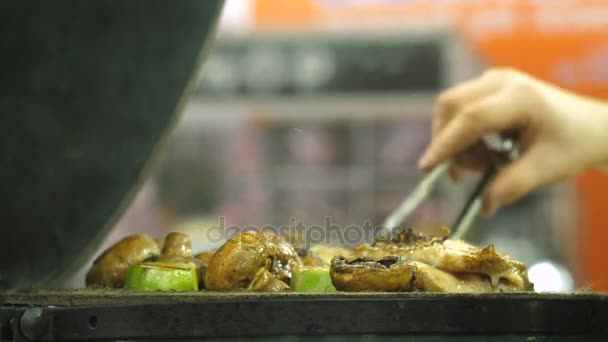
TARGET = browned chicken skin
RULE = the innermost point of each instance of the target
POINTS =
(431, 279)
(388, 274)
(241, 259)
(454, 256)
(110, 268)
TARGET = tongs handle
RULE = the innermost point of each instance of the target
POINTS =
(504, 151)
(472, 208)
(420, 193)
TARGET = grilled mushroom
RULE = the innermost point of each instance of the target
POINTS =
(205, 257)
(388, 274)
(241, 261)
(110, 268)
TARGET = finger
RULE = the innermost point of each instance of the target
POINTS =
(454, 99)
(491, 114)
(515, 181)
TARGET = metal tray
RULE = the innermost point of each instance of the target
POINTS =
(120, 314)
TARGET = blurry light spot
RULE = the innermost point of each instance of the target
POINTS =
(548, 277)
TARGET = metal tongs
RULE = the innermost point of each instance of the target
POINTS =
(501, 151)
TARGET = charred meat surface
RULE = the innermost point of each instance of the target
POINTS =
(241, 259)
(431, 279)
(110, 268)
(389, 274)
(454, 256)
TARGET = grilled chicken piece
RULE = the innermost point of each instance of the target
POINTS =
(237, 263)
(388, 274)
(110, 268)
(431, 279)
(455, 257)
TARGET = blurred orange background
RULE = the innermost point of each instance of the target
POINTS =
(561, 41)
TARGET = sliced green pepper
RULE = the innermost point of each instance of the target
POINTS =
(162, 276)
(312, 280)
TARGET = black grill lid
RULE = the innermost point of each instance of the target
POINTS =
(87, 93)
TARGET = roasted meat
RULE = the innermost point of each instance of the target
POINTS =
(454, 256)
(242, 259)
(431, 279)
(388, 274)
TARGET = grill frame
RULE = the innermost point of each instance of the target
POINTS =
(86, 315)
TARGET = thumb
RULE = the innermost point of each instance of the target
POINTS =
(513, 182)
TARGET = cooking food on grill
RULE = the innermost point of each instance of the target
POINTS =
(454, 256)
(252, 260)
(432, 279)
(162, 276)
(110, 268)
(389, 274)
(265, 262)
(177, 249)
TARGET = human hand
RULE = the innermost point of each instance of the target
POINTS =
(559, 133)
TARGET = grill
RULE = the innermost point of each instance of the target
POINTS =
(93, 72)
(87, 315)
